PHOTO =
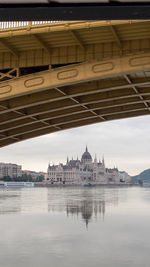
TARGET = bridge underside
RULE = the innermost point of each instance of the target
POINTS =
(79, 74)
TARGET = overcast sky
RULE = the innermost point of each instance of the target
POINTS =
(124, 143)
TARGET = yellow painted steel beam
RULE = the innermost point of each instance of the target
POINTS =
(96, 102)
(39, 132)
(74, 74)
(48, 96)
(71, 42)
(77, 39)
(62, 26)
(9, 47)
(49, 117)
(33, 55)
(116, 36)
(42, 43)
(64, 121)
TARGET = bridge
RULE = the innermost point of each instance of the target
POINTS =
(59, 75)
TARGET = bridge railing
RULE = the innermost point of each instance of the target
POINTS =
(19, 24)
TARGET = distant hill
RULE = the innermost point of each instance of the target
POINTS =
(143, 176)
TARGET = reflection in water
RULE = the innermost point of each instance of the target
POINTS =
(87, 202)
(46, 227)
(79, 201)
(87, 206)
(87, 209)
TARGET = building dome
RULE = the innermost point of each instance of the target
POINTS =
(86, 156)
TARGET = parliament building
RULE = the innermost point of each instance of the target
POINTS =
(85, 172)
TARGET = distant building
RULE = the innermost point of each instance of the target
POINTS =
(124, 177)
(11, 170)
(85, 172)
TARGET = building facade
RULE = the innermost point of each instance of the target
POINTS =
(11, 170)
(85, 172)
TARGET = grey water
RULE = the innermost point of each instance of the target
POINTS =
(74, 227)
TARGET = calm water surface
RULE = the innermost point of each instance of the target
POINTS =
(74, 227)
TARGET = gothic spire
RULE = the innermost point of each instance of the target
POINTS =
(49, 166)
(86, 150)
(103, 161)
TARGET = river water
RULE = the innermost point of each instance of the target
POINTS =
(74, 227)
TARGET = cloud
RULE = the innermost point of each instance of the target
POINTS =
(125, 143)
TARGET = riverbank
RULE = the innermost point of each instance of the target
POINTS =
(40, 184)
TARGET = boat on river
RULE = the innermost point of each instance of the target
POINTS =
(16, 184)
